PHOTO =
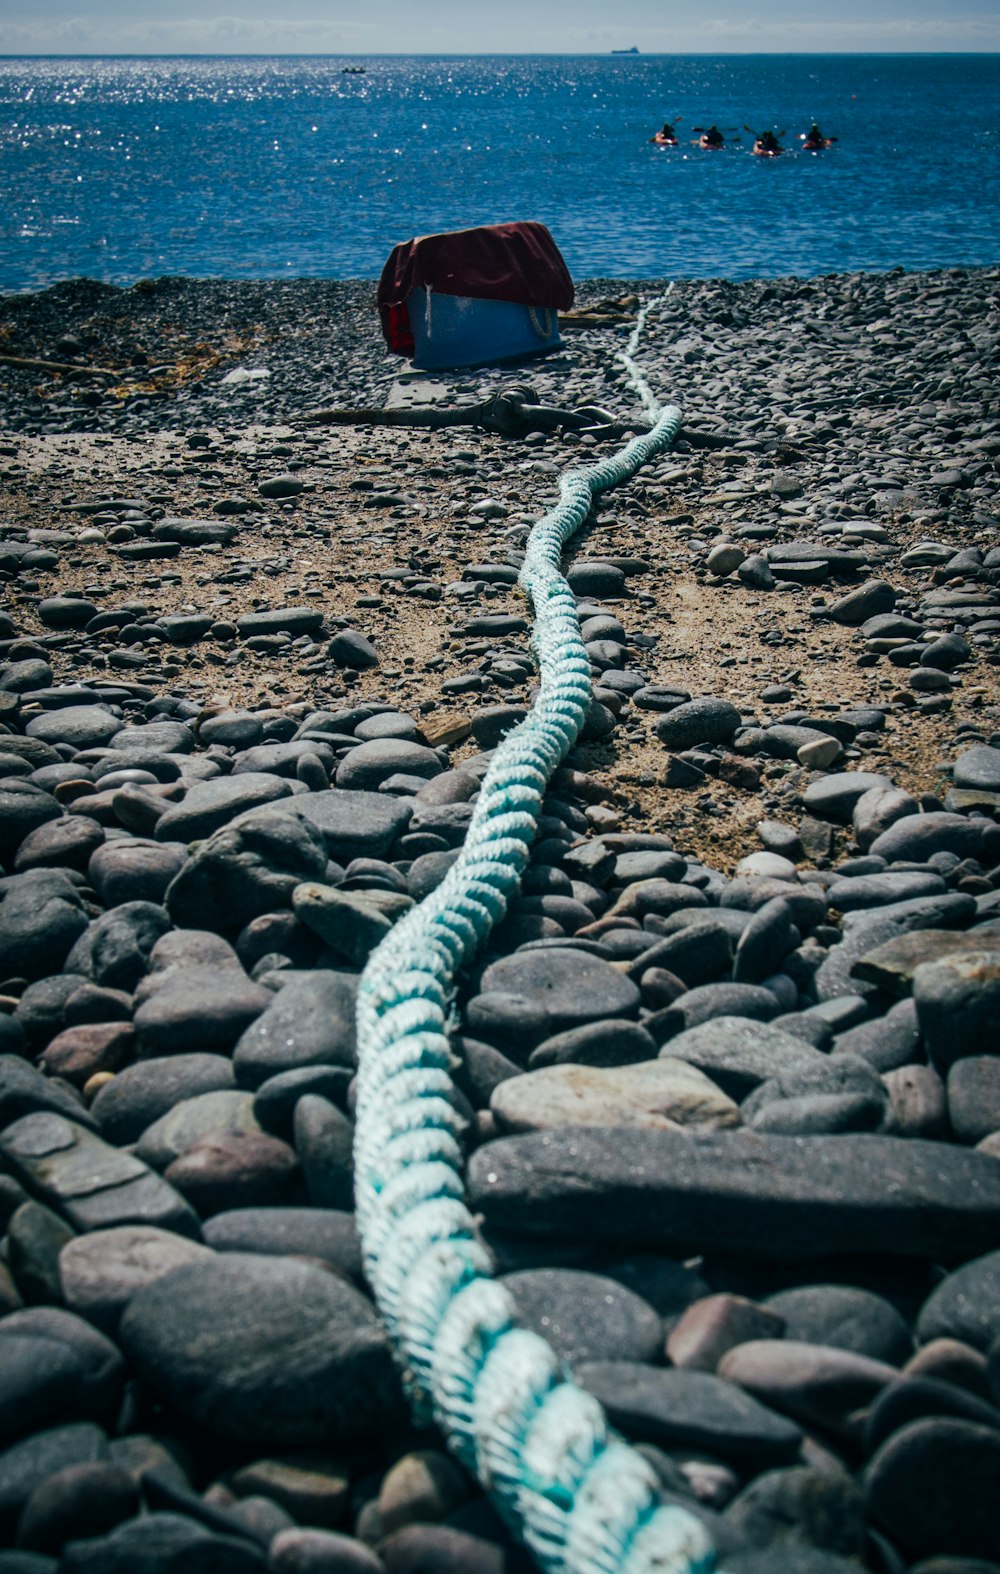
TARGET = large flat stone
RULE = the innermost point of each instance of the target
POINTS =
(754, 1195)
(92, 1184)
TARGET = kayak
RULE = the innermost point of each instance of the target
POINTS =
(710, 147)
(817, 147)
(767, 152)
(664, 142)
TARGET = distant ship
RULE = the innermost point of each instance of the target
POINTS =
(632, 51)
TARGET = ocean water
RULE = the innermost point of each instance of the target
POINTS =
(120, 169)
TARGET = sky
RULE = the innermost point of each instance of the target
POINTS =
(67, 27)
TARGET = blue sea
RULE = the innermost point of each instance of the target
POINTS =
(249, 168)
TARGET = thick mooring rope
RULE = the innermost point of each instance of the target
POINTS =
(579, 1497)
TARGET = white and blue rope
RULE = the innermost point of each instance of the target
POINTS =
(579, 1497)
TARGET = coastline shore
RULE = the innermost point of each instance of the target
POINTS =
(243, 654)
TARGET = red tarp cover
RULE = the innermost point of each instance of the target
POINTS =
(497, 262)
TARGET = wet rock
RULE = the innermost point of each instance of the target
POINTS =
(711, 1326)
(930, 1488)
(274, 1352)
(94, 1185)
(845, 1317)
(675, 1408)
(310, 1022)
(965, 1305)
(114, 950)
(817, 1384)
(585, 1316)
(759, 1196)
(532, 995)
(739, 1053)
(101, 1271)
(249, 867)
(141, 1094)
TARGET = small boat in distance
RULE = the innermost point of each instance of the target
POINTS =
(353, 71)
(632, 51)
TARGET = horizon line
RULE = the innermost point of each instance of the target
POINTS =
(503, 54)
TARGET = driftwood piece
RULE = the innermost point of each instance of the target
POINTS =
(33, 365)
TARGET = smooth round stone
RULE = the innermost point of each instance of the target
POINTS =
(101, 1271)
(801, 1508)
(424, 1485)
(41, 922)
(739, 1053)
(817, 1384)
(209, 805)
(845, 1094)
(878, 890)
(81, 1052)
(158, 737)
(81, 726)
(308, 1551)
(655, 1093)
(65, 612)
(915, 1398)
(420, 1549)
(324, 1140)
(585, 1316)
(159, 1542)
(327, 1234)
(708, 1002)
(27, 1465)
(765, 942)
(532, 995)
(367, 766)
(978, 767)
(877, 809)
(101, 1369)
(207, 1007)
(951, 1361)
(267, 1351)
(65, 843)
(611, 1043)
(932, 1487)
(918, 1106)
(139, 1095)
(867, 601)
(233, 729)
(134, 870)
(114, 950)
(235, 1169)
(833, 797)
(716, 1323)
(917, 837)
(23, 808)
(310, 1022)
(958, 1005)
(965, 1305)
(886, 1042)
(40, 1383)
(77, 1503)
(844, 1317)
(688, 1409)
(247, 868)
(974, 1097)
(206, 1114)
(699, 721)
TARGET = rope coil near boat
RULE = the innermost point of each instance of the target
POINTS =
(579, 1497)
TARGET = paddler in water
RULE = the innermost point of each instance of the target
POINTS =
(767, 145)
(666, 137)
(712, 138)
(813, 140)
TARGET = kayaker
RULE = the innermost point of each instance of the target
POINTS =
(712, 138)
(767, 145)
(666, 136)
(813, 140)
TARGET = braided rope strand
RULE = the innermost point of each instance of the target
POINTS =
(580, 1498)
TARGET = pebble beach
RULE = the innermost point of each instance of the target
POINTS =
(728, 1068)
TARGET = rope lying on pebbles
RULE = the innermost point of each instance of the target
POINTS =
(582, 1499)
